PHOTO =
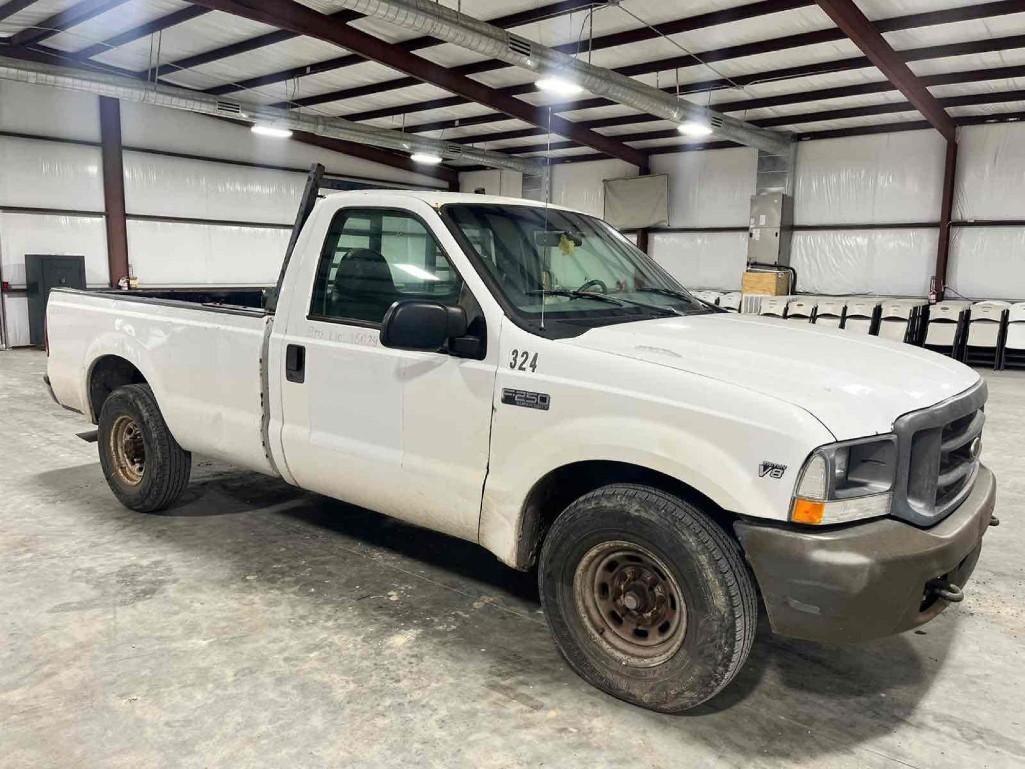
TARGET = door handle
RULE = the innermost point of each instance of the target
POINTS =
(295, 363)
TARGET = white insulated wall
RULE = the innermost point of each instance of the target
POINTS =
(865, 211)
(230, 221)
(989, 260)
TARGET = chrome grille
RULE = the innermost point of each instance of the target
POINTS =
(938, 456)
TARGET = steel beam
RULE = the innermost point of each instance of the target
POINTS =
(626, 37)
(378, 155)
(62, 21)
(113, 189)
(14, 6)
(787, 42)
(330, 65)
(129, 35)
(849, 18)
(946, 207)
(300, 19)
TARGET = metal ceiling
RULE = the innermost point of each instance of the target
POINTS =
(780, 64)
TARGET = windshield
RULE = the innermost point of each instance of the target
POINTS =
(568, 266)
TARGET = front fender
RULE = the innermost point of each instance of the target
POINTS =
(712, 436)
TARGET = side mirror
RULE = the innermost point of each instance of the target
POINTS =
(412, 324)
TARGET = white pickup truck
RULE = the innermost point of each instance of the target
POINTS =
(521, 376)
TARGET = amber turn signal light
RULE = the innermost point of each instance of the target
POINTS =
(808, 511)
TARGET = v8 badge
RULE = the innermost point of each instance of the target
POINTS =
(772, 470)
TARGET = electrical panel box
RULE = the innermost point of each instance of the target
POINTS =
(769, 228)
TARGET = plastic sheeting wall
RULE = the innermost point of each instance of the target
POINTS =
(888, 261)
(878, 179)
(988, 262)
(709, 189)
(702, 259)
(579, 185)
(62, 177)
(187, 254)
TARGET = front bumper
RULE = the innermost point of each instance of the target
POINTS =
(867, 580)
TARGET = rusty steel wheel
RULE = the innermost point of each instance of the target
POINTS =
(128, 450)
(631, 602)
(144, 465)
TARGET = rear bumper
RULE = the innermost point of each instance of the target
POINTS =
(864, 581)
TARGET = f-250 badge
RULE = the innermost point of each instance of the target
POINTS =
(771, 469)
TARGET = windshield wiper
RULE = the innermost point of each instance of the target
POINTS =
(675, 294)
(605, 298)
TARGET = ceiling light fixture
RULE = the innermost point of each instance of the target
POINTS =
(558, 86)
(426, 158)
(694, 129)
(267, 130)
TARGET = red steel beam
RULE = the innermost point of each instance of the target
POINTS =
(12, 7)
(300, 19)
(946, 207)
(129, 35)
(849, 18)
(560, 8)
(113, 189)
(66, 19)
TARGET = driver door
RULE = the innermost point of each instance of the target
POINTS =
(402, 432)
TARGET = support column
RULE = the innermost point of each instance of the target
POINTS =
(113, 189)
(939, 279)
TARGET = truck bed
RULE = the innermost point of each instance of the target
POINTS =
(202, 360)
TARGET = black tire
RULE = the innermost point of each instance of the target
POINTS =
(703, 566)
(154, 481)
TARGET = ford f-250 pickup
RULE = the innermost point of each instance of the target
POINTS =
(520, 375)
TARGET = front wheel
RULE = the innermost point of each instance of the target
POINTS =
(144, 465)
(647, 598)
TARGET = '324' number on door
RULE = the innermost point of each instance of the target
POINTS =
(522, 360)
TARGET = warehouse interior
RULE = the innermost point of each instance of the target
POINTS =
(259, 624)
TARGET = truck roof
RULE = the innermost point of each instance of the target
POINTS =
(440, 198)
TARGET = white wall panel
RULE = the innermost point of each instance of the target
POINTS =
(179, 254)
(49, 112)
(709, 189)
(864, 261)
(579, 185)
(173, 130)
(702, 259)
(40, 174)
(495, 181)
(22, 234)
(988, 262)
(882, 178)
(16, 319)
(167, 186)
(991, 172)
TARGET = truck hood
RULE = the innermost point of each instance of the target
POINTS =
(856, 385)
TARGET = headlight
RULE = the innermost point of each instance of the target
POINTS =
(846, 481)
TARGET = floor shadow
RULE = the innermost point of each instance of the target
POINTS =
(845, 695)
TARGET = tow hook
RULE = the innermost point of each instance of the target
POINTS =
(945, 589)
(994, 521)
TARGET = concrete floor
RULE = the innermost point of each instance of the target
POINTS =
(254, 625)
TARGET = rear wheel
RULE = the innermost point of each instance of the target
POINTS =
(647, 598)
(144, 465)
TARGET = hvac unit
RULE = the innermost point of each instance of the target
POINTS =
(712, 297)
(774, 305)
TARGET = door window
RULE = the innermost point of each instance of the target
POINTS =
(373, 258)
